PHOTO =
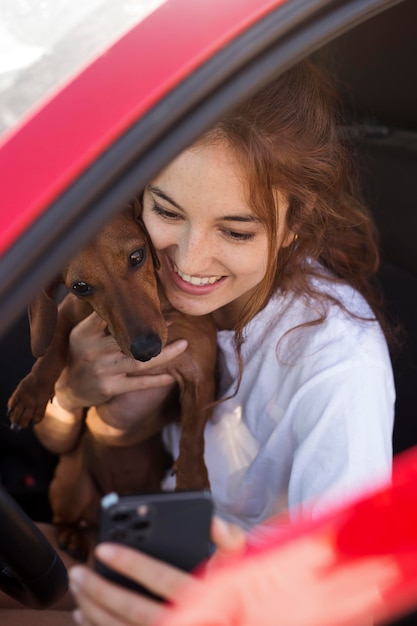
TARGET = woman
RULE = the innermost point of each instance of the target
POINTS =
(258, 224)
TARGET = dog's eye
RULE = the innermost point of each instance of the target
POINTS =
(137, 257)
(81, 288)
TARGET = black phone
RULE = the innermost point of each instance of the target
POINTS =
(171, 526)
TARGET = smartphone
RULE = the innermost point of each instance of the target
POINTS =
(171, 526)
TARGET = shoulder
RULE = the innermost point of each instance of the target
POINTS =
(336, 305)
(297, 326)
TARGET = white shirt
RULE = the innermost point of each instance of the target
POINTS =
(311, 424)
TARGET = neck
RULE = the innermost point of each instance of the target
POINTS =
(229, 315)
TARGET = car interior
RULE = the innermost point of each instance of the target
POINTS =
(374, 67)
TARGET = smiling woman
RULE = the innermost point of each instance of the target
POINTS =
(305, 379)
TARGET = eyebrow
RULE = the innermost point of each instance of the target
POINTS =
(157, 191)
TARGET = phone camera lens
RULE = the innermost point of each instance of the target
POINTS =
(121, 516)
(118, 535)
(141, 524)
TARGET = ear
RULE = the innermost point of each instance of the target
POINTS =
(43, 315)
(283, 207)
(289, 238)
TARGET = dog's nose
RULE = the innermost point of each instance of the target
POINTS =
(145, 347)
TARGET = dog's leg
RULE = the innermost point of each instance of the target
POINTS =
(74, 499)
(194, 371)
(28, 402)
(191, 471)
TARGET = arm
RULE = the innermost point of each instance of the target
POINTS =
(60, 428)
(99, 374)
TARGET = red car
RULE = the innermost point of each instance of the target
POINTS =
(96, 101)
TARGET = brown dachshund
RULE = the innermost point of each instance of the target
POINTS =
(115, 276)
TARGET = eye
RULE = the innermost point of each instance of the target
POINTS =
(81, 288)
(137, 257)
(239, 236)
(164, 214)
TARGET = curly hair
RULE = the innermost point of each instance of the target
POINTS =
(287, 138)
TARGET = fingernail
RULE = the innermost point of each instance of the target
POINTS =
(105, 551)
(77, 616)
(76, 575)
(181, 345)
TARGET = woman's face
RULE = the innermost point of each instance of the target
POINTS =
(211, 246)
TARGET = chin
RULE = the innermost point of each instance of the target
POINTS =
(190, 308)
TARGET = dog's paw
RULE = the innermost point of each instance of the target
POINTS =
(72, 540)
(13, 425)
(22, 415)
(27, 404)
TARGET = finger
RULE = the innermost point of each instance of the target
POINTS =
(227, 536)
(345, 608)
(105, 604)
(91, 613)
(160, 578)
(79, 618)
(300, 557)
(108, 359)
(170, 352)
(204, 613)
(118, 385)
(102, 364)
(213, 603)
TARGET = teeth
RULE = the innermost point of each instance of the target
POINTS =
(196, 280)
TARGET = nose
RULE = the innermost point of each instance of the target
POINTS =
(146, 346)
(192, 251)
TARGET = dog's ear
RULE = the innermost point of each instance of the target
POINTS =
(43, 315)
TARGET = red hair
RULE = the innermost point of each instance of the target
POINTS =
(286, 137)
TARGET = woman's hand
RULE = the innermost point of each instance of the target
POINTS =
(98, 374)
(296, 584)
(102, 603)
(97, 369)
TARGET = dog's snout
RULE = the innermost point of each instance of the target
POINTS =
(146, 347)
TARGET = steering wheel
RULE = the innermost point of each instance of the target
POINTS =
(31, 571)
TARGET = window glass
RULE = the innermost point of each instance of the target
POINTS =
(44, 42)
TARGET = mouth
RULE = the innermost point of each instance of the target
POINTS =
(198, 281)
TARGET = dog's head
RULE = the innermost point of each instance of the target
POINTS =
(115, 275)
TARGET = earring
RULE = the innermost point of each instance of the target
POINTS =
(295, 237)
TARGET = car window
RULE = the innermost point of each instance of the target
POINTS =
(43, 43)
